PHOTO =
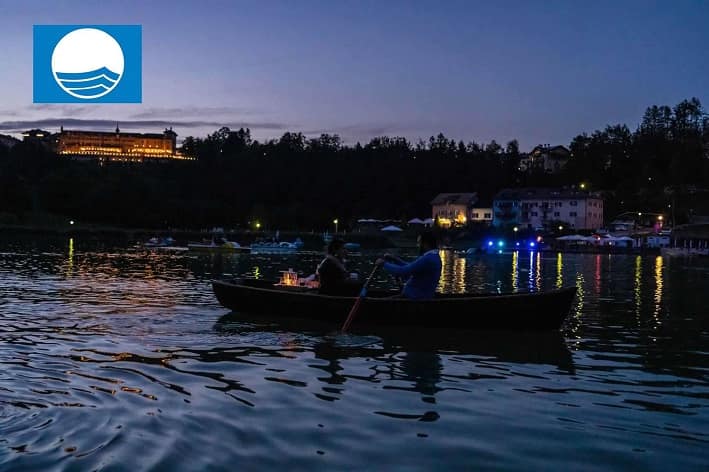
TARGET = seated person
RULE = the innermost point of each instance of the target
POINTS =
(423, 273)
(332, 273)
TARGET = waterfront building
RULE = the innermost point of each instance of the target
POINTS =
(538, 208)
(453, 209)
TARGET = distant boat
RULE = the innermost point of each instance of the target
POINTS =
(225, 246)
(284, 247)
(158, 242)
(160, 245)
(683, 251)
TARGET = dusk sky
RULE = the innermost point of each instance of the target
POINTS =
(537, 71)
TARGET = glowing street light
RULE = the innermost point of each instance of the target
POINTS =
(335, 221)
(258, 225)
(71, 222)
(582, 186)
(561, 227)
(515, 229)
(660, 218)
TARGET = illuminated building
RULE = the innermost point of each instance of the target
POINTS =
(536, 208)
(117, 146)
(459, 209)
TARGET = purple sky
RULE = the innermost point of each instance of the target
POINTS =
(539, 71)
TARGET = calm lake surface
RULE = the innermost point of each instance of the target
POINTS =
(119, 360)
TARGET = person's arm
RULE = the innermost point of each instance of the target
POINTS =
(407, 269)
(394, 259)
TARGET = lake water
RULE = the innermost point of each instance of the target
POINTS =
(120, 360)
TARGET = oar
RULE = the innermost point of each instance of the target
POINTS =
(355, 307)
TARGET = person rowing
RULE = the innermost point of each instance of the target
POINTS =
(422, 274)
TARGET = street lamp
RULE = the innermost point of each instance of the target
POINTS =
(335, 221)
(561, 228)
(71, 222)
(258, 225)
(582, 186)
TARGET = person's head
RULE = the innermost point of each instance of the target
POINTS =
(427, 241)
(336, 248)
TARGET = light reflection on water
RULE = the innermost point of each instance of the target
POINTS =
(120, 359)
(658, 289)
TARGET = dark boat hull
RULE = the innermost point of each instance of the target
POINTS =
(515, 312)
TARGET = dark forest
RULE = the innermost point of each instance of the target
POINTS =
(299, 182)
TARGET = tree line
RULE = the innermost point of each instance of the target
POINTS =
(301, 182)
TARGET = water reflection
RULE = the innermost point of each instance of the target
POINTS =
(597, 275)
(446, 281)
(70, 261)
(580, 295)
(103, 353)
(459, 275)
(637, 287)
(531, 271)
(658, 289)
(538, 272)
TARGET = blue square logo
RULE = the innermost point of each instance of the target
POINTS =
(87, 64)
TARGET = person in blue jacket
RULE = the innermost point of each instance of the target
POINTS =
(422, 274)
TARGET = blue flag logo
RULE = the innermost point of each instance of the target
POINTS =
(87, 63)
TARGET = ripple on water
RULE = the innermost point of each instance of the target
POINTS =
(125, 360)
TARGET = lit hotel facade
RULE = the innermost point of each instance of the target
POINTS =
(111, 146)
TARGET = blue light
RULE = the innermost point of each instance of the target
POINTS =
(500, 251)
(489, 243)
(517, 244)
(531, 244)
(500, 243)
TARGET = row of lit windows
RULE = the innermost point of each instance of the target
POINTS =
(556, 214)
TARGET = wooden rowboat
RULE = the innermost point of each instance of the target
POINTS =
(536, 311)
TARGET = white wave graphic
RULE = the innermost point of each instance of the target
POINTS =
(88, 84)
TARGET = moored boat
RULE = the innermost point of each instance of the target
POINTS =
(536, 311)
(227, 246)
(283, 247)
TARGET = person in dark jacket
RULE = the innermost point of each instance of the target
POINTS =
(333, 275)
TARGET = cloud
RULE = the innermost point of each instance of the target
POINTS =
(191, 112)
(100, 124)
(63, 110)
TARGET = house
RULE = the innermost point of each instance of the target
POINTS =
(550, 159)
(536, 208)
(481, 215)
(453, 209)
(40, 137)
